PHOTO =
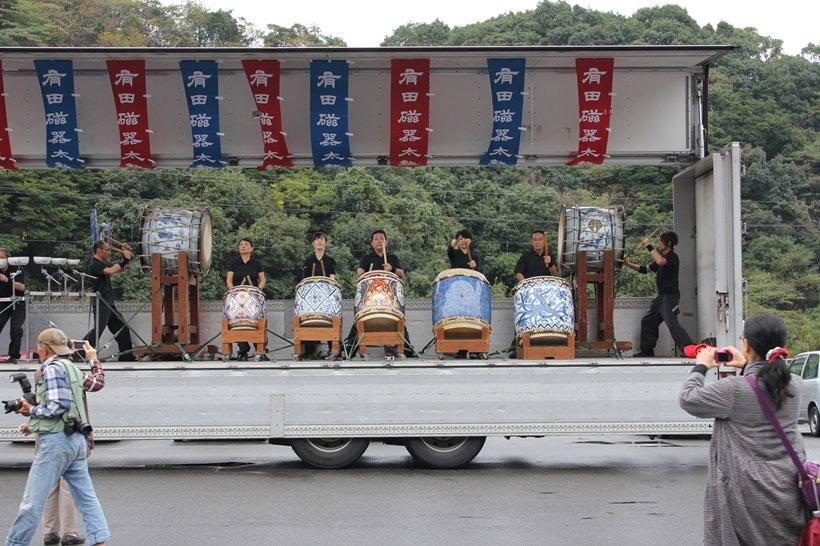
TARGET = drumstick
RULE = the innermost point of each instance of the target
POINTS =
(638, 244)
(322, 263)
(384, 250)
(313, 269)
(247, 280)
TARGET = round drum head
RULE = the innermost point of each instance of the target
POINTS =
(205, 242)
(456, 271)
(315, 322)
(562, 224)
(379, 322)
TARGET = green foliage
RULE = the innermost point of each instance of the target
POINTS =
(299, 36)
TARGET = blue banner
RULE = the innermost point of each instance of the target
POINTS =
(56, 80)
(201, 82)
(329, 135)
(507, 86)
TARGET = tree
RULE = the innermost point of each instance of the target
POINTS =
(299, 36)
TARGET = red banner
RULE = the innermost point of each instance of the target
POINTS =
(130, 100)
(409, 111)
(594, 107)
(263, 77)
(6, 162)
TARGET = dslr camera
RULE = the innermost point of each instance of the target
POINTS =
(14, 405)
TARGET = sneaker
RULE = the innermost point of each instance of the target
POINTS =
(242, 357)
(644, 354)
(263, 358)
(72, 538)
(51, 538)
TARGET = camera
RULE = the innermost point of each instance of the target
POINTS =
(73, 425)
(14, 405)
(723, 356)
(78, 345)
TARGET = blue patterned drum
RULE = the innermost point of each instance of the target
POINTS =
(379, 301)
(244, 307)
(543, 308)
(318, 300)
(591, 229)
(462, 304)
(169, 231)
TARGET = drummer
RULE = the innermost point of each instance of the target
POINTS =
(318, 264)
(380, 259)
(375, 260)
(246, 270)
(461, 254)
(537, 262)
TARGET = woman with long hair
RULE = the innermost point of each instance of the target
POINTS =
(751, 491)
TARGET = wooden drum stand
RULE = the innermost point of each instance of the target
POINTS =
(604, 283)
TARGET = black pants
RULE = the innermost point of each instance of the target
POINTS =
(17, 314)
(661, 311)
(111, 318)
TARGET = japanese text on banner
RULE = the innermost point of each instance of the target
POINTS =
(507, 87)
(329, 133)
(6, 161)
(409, 112)
(263, 78)
(56, 79)
(128, 87)
(201, 82)
(595, 77)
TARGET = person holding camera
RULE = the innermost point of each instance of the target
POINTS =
(666, 266)
(58, 416)
(107, 314)
(60, 515)
(752, 495)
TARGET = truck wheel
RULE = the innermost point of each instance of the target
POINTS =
(444, 451)
(814, 421)
(329, 453)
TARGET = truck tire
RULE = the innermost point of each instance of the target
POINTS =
(814, 421)
(444, 451)
(329, 453)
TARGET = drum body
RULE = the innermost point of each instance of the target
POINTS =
(379, 301)
(318, 300)
(462, 303)
(543, 308)
(591, 229)
(169, 231)
(244, 306)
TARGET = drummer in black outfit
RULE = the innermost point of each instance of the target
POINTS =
(461, 254)
(318, 264)
(537, 262)
(246, 270)
(376, 261)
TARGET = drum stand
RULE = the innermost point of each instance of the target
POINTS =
(332, 334)
(167, 338)
(257, 336)
(480, 344)
(381, 338)
(527, 349)
(604, 283)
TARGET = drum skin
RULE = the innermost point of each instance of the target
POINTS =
(244, 307)
(318, 300)
(462, 302)
(543, 308)
(167, 231)
(379, 300)
(592, 229)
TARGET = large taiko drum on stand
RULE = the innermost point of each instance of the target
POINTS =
(543, 308)
(169, 231)
(591, 229)
(318, 300)
(244, 307)
(462, 303)
(379, 301)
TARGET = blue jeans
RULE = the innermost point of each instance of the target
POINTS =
(59, 455)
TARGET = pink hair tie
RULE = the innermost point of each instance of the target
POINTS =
(777, 352)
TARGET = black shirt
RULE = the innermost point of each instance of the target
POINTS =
(667, 275)
(372, 261)
(102, 284)
(460, 259)
(6, 287)
(531, 264)
(241, 270)
(313, 267)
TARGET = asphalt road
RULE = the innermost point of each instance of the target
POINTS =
(578, 490)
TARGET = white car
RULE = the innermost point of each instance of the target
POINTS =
(806, 366)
